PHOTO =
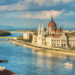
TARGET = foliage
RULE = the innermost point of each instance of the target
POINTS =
(4, 33)
(73, 48)
(20, 38)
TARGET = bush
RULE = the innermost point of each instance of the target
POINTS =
(20, 38)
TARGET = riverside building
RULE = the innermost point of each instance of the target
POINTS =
(53, 37)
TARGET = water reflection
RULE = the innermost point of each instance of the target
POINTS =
(48, 54)
(26, 61)
(51, 63)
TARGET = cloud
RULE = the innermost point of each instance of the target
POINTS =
(51, 2)
(41, 14)
(33, 14)
(17, 6)
(26, 4)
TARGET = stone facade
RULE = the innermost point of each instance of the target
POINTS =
(27, 35)
(53, 37)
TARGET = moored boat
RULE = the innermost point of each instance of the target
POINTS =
(69, 65)
(3, 61)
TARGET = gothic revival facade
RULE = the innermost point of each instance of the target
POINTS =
(53, 37)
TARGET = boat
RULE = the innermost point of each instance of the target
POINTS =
(69, 65)
(16, 45)
(7, 39)
(3, 61)
(36, 51)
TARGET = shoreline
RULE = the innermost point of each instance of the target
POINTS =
(28, 45)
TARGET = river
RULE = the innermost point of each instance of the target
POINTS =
(26, 61)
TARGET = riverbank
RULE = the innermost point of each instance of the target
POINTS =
(34, 47)
(4, 33)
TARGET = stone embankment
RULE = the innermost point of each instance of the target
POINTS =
(51, 50)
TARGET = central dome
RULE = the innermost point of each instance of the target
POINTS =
(51, 23)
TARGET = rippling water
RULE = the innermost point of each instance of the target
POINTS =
(26, 61)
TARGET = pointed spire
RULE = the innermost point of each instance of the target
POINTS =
(51, 18)
(47, 30)
(42, 29)
(39, 30)
(60, 27)
(42, 26)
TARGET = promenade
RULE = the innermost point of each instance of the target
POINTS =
(51, 50)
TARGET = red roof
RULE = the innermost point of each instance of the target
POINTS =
(58, 30)
(57, 36)
(71, 36)
(51, 24)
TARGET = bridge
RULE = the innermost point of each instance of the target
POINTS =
(17, 31)
(7, 37)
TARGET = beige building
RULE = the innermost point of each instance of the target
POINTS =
(53, 37)
(27, 35)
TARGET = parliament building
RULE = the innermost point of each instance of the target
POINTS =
(52, 37)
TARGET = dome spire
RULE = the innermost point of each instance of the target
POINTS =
(51, 18)
(52, 24)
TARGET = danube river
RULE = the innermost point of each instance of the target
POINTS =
(25, 61)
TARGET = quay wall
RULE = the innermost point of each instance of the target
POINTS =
(34, 47)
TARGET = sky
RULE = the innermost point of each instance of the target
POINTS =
(31, 13)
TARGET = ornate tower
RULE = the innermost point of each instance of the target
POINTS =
(62, 28)
(39, 30)
(52, 26)
(42, 29)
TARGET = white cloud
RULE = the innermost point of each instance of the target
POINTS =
(18, 6)
(41, 14)
(51, 2)
(34, 14)
(25, 4)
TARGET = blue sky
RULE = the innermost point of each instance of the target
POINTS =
(31, 13)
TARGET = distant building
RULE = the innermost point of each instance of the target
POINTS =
(28, 35)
